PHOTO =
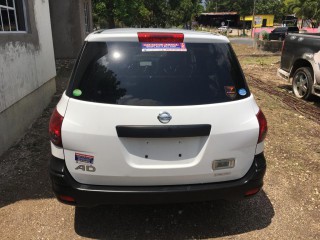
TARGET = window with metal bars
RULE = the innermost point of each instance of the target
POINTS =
(12, 16)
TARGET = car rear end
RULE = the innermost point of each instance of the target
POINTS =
(154, 116)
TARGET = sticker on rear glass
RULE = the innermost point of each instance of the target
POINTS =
(230, 91)
(163, 47)
(242, 92)
(77, 92)
(83, 158)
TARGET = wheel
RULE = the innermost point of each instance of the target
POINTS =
(302, 83)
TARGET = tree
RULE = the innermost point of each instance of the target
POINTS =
(243, 7)
(305, 9)
(108, 13)
(133, 13)
(240, 6)
(104, 12)
(145, 13)
(183, 11)
(274, 7)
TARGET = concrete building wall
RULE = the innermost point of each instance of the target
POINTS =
(27, 71)
(68, 26)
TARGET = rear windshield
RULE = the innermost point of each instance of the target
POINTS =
(127, 73)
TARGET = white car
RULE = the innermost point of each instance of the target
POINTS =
(154, 116)
(224, 29)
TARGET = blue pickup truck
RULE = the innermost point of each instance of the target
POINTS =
(300, 64)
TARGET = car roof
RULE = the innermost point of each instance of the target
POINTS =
(131, 35)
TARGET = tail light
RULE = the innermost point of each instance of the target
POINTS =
(252, 192)
(263, 126)
(156, 37)
(55, 128)
(66, 199)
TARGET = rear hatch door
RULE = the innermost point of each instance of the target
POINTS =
(112, 131)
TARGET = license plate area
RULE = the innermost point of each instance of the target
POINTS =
(164, 149)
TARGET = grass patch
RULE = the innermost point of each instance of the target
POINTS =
(258, 60)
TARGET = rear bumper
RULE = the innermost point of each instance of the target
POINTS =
(94, 195)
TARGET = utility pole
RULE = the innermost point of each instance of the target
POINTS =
(228, 26)
(253, 15)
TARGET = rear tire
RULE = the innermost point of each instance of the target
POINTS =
(302, 83)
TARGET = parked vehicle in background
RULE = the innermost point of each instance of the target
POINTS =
(224, 29)
(280, 33)
(156, 115)
(300, 64)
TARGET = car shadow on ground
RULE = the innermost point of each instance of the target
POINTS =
(315, 101)
(176, 221)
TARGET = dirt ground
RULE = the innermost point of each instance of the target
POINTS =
(288, 207)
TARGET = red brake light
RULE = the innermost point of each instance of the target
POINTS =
(65, 198)
(263, 126)
(160, 37)
(55, 128)
(252, 192)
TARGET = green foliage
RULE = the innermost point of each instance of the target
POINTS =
(145, 13)
(305, 9)
(166, 13)
(246, 6)
(265, 35)
(243, 7)
(274, 7)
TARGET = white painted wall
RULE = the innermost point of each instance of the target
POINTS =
(25, 67)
